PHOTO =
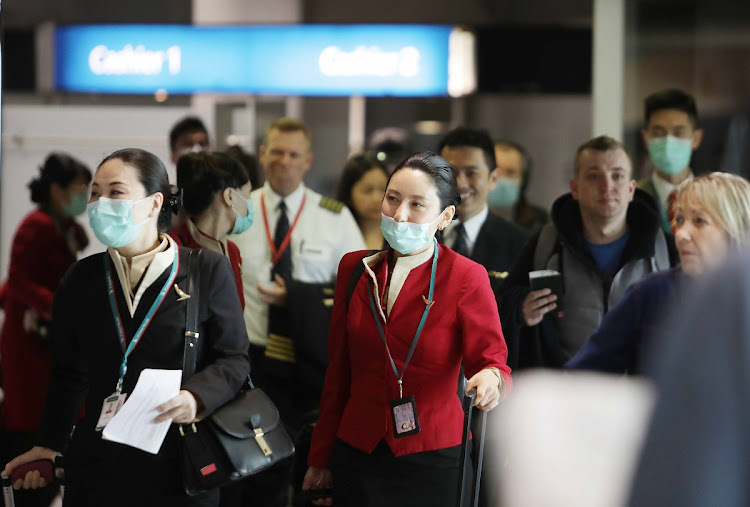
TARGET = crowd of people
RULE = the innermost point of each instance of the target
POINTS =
(361, 313)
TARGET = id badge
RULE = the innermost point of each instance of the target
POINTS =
(110, 407)
(405, 420)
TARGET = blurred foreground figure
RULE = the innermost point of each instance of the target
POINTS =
(570, 440)
(697, 450)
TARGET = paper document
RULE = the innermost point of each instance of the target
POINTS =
(134, 424)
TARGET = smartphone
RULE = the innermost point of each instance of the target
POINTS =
(547, 279)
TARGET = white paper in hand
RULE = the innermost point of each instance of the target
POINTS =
(134, 423)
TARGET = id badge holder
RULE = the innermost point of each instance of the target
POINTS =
(404, 414)
(110, 407)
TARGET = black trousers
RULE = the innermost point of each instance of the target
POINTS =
(426, 479)
(132, 478)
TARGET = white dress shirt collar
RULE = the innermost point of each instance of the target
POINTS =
(664, 188)
(471, 226)
(293, 200)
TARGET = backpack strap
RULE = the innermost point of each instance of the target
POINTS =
(357, 272)
(545, 246)
(661, 252)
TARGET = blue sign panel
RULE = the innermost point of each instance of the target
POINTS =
(369, 60)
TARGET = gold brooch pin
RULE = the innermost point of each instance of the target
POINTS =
(183, 295)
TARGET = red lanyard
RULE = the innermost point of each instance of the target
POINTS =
(285, 243)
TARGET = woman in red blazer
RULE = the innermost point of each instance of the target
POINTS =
(390, 426)
(215, 191)
(46, 243)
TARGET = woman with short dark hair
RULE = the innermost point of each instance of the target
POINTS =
(390, 422)
(215, 192)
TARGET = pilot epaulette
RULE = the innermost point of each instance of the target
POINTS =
(331, 204)
(498, 274)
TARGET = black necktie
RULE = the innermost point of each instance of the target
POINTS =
(283, 266)
(460, 245)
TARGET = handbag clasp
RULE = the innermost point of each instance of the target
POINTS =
(182, 432)
(262, 442)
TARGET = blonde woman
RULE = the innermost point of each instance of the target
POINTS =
(712, 218)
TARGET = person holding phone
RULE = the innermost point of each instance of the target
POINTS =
(604, 236)
(119, 312)
(390, 424)
(712, 219)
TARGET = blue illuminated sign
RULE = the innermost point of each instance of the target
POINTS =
(371, 60)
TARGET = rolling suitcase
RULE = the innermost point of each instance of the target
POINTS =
(468, 490)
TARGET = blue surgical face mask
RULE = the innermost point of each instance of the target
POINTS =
(242, 222)
(406, 237)
(112, 221)
(77, 204)
(505, 194)
(670, 154)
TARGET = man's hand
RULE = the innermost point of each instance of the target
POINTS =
(536, 304)
(275, 295)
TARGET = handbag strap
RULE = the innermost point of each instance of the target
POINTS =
(191, 319)
(191, 316)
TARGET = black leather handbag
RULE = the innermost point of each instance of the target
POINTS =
(239, 439)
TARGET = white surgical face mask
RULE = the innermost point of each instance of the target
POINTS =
(112, 221)
(406, 237)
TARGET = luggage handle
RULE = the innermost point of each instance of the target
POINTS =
(48, 470)
(468, 404)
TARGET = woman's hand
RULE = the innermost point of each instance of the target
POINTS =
(318, 478)
(536, 304)
(488, 389)
(32, 479)
(183, 408)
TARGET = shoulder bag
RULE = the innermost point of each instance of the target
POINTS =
(239, 439)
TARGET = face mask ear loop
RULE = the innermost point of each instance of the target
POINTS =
(148, 217)
(247, 202)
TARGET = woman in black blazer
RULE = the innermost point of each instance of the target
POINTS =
(142, 277)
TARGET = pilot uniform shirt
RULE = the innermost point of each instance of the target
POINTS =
(324, 232)
(462, 326)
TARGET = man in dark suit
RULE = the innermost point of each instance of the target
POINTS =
(671, 134)
(481, 236)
